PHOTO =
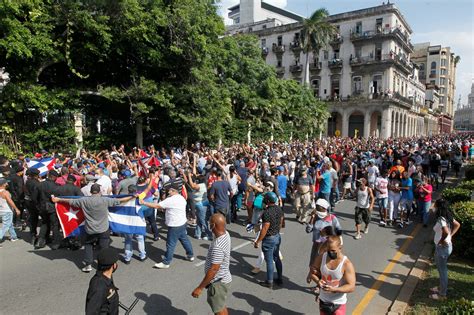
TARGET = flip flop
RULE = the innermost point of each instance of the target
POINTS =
(437, 297)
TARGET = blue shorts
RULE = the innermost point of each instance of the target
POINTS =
(383, 203)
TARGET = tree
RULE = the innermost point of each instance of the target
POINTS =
(316, 34)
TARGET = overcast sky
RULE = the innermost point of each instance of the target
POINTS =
(440, 22)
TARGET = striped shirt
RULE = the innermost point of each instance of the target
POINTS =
(219, 254)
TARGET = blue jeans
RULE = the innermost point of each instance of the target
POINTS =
(7, 220)
(424, 210)
(271, 250)
(174, 234)
(441, 258)
(129, 245)
(239, 199)
(201, 216)
(325, 196)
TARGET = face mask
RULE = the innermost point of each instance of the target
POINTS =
(332, 254)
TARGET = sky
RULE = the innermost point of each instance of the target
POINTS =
(440, 22)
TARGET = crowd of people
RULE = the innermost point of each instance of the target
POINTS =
(206, 188)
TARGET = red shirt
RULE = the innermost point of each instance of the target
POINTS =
(424, 196)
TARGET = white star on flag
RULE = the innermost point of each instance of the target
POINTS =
(71, 214)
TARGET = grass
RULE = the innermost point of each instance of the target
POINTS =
(460, 285)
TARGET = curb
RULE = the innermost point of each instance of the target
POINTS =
(401, 303)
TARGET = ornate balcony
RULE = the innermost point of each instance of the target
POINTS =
(336, 40)
(335, 64)
(296, 46)
(315, 66)
(264, 51)
(383, 61)
(278, 49)
(280, 70)
(296, 69)
(380, 34)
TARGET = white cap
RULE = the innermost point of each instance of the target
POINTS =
(323, 204)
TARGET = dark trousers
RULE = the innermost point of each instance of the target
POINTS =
(151, 218)
(49, 222)
(103, 239)
(33, 216)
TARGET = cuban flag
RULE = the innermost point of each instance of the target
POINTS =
(126, 218)
(43, 165)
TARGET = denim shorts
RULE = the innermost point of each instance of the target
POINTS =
(382, 202)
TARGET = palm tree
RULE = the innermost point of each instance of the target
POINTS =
(317, 33)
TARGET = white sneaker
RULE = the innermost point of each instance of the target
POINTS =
(161, 266)
(382, 223)
(366, 230)
(87, 268)
(358, 236)
(205, 238)
(190, 258)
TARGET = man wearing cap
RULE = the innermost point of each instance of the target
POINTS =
(102, 295)
(126, 182)
(17, 190)
(90, 180)
(32, 187)
(273, 220)
(175, 218)
(320, 219)
(49, 219)
(304, 194)
(96, 211)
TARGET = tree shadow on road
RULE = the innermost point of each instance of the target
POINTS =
(260, 306)
(157, 304)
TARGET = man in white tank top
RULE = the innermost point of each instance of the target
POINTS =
(336, 276)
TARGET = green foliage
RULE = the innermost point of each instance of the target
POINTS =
(457, 307)
(163, 63)
(464, 239)
(467, 184)
(56, 138)
(454, 195)
(469, 172)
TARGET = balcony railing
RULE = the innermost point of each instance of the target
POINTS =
(432, 75)
(336, 40)
(264, 51)
(296, 45)
(315, 66)
(280, 70)
(278, 48)
(335, 63)
(296, 68)
(385, 32)
(382, 59)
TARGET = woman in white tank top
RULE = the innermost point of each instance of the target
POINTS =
(6, 213)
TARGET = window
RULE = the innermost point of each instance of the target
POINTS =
(264, 43)
(433, 68)
(443, 62)
(378, 25)
(358, 29)
(336, 53)
(264, 26)
(443, 71)
(356, 85)
(279, 63)
(237, 20)
(433, 82)
(442, 90)
(335, 87)
(326, 55)
(250, 29)
(422, 66)
(441, 99)
(280, 40)
(442, 81)
(358, 52)
(315, 85)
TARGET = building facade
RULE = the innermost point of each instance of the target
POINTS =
(366, 73)
(438, 67)
(464, 115)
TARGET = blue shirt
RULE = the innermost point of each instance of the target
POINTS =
(282, 185)
(326, 183)
(407, 194)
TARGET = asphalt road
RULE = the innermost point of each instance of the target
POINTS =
(50, 282)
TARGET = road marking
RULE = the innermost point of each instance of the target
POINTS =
(233, 249)
(380, 280)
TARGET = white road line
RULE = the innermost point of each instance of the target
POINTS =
(233, 249)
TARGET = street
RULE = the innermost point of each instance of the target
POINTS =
(50, 282)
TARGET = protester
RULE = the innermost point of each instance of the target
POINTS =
(7, 206)
(217, 277)
(445, 228)
(365, 205)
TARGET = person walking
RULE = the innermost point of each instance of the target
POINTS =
(336, 276)
(365, 205)
(31, 201)
(96, 213)
(272, 221)
(445, 228)
(102, 295)
(7, 206)
(49, 219)
(221, 194)
(217, 277)
(425, 191)
(175, 218)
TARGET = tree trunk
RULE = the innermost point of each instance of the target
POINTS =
(306, 71)
(139, 132)
(249, 138)
(78, 130)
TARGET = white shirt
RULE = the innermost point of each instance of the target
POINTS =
(175, 214)
(438, 229)
(86, 190)
(105, 185)
(372, 171)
